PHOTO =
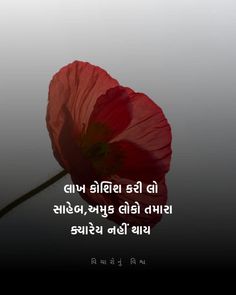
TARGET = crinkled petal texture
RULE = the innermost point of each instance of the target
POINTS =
(102, 131)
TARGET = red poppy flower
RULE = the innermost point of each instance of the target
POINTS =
(103, 131)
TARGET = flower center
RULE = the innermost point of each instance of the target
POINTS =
(97, 151)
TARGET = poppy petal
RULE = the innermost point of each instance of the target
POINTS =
(111, 115)
(71, 155)
(150, 133)
(137, 163)
(74, 90)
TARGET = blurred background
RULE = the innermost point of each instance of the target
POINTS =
(180, 53)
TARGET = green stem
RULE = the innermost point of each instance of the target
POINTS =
(32, 193)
